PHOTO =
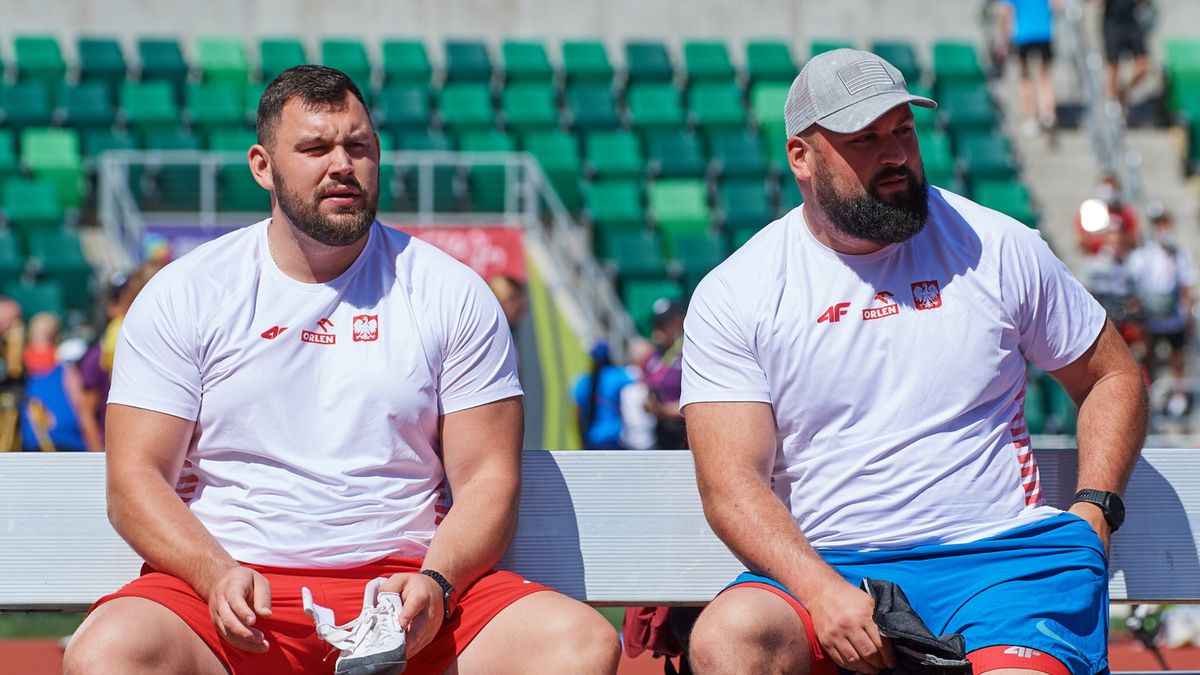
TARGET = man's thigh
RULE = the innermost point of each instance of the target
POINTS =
(137, 635)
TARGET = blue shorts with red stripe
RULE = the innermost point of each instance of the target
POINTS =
(1037, 589)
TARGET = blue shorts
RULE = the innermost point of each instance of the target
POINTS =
(1043, 586)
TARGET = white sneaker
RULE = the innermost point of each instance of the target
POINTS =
(373, 643)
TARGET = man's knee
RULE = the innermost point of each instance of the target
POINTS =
(585, 640)
(758, 631)
(133, 635)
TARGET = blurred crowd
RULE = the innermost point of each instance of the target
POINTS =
(53, 386)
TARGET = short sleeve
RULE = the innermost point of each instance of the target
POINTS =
(719, 360)
(156, 364)
(1058, 319)
(480, 363)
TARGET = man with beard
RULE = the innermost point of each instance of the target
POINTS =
(853, 385)
(292, 407)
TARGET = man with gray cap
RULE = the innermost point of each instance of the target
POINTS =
(853, 384)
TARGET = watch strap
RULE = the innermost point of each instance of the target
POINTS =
(447, 590)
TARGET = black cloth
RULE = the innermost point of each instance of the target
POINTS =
(917, 651)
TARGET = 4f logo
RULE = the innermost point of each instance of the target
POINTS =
(1022, 652)
(835, 313)
(273, 332)
(926, 295)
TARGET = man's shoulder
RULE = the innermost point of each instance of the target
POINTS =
(423, 261)
(759, 258)
(215, 259)
(956, 212)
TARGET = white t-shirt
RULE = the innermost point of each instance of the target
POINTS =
(316, 405)
(897, 378)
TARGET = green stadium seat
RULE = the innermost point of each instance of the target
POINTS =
(615, 205)
(614, 154)
(9, 164)
(985, 156)
(766, 102)
(956, 63)
(717, 107)
(222, 58)
(96, 142)
(738, 237)
(277, 55)
(38, 59)
(162, 60)
(215, 106)
(149, 106)
(558, 154)
(923, 118)
(675, 154)
(966, 108)
(529, 107)
(25, 105)
(743, 204)
(770, 62)
(639, 298)
(467, 107)
(1181, 65)
(31, 206)
(655, 106)
(937, 153)
(648, 62)
(445, 178)
(822, 45)
(902, 55)
(697, 255)
(46, 296)
(633, 254)
(739, 154)
(350, 57)
(403, 106)
(1062, 411)
(12, 263)
(526, 62)
(707, 62)
(789, 194)
(59, 258)
(54, 155)
(591, 107)
(87, 105)
(1009, 197)
(101, 60)
(487, 184)
(948, 180)
(467, 61)
(586, 62)
(170, 187)
(405, 62)
(678, 208)
(251, 95)
(236, 188)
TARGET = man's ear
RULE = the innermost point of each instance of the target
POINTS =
(260, 167)
(800, 152)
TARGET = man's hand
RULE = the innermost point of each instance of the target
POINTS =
(846, 631)
(1094, 517)
(421, 617)
(229, 604)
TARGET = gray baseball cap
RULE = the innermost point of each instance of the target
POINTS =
(845, 90)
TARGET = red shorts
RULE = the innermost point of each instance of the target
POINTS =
(982, 660)
(294, 645)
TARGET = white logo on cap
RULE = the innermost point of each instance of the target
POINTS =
(862, 75)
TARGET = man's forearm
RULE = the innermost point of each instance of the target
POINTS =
(1111, 430)
(476, 531)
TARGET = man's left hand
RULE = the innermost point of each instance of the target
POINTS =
(423, 611)
(1094, 517)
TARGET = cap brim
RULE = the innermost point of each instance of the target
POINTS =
(862, 114)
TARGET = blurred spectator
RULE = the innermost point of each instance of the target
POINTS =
(53, 394)
(12, 374)
(95, 368)
(664, 374)
(598, 401)
(1164, 275)
(637, 424)
(1126, 23)
(1103, 212)
(1108, 278)
(1028, 27)
(512, 296)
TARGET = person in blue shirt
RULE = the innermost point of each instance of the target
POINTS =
(1029, 27)
(598, 401)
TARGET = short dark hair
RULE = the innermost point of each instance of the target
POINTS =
(316, 86)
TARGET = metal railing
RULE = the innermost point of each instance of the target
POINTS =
(530, 202)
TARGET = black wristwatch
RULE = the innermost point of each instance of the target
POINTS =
(1109, 502)
(447, 590)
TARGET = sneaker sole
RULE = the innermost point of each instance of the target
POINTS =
(384, 663)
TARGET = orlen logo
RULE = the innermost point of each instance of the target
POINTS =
(887, 307)
(927, 295)
(323, 338)
(835, 313)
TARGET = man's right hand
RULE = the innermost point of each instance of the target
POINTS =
(239, 596)
(841, 616)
